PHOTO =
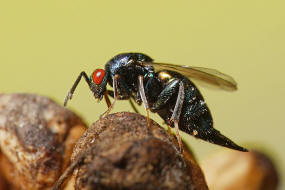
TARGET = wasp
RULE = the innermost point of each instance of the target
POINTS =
(165, 89)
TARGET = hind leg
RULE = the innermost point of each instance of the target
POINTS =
(164, 97)
(176, 114)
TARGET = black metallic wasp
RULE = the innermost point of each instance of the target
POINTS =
(164, 89)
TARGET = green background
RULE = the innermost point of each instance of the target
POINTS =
(44, 45)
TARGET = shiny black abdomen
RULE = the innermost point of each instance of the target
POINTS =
(195, 116)
(195, 113)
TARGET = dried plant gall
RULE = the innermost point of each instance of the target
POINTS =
(121, 152)
(36, 140)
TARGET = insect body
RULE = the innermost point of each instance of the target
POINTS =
(164, 89)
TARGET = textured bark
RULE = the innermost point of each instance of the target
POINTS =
(121, 152)
(36, 140)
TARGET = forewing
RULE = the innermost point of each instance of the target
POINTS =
(204, 76)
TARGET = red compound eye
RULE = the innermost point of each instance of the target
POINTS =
(98, 76)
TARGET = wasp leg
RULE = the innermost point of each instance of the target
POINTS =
(116, 97)
(111, 93)
(108, 102)
(176, 113)
(133, 106)
(70, 93)
(169, 129)
(163, 98)
(144, 100)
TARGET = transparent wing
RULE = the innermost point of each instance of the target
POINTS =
(203, 76)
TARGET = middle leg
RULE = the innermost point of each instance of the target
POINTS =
(144, 100)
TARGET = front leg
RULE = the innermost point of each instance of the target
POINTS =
(115, 95)
(111, 94)
(108, 102)
(120, 91)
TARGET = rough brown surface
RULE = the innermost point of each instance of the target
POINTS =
(3, 183)
(233, 170)
(36, 139)
(121, 152)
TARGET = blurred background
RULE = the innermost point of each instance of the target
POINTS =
(44, 45)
